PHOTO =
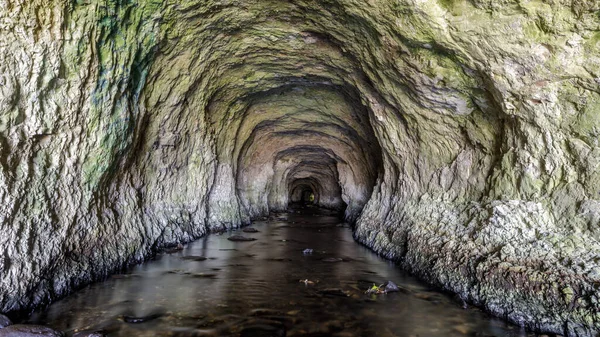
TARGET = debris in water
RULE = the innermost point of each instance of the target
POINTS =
(387, 287)
(307, 251)
(308, 282)
(375, 290)
(391, 287)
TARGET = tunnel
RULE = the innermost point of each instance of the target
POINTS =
(307, 196)
(458, 139)
(310, 133)
(304, 193)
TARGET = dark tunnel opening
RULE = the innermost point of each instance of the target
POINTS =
(308, 196)
(303, 194)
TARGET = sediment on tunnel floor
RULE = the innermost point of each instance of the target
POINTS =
(463, 137)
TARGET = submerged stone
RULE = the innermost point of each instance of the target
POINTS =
(26, 330)
(240, 238)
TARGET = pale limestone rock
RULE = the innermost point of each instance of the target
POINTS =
(463, 135)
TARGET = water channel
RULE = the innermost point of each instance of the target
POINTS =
(270, 287)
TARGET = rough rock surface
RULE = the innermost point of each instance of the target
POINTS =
(25, 330)
(463, 136)
(4, 321)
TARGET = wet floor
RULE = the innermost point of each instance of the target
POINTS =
(269, 287)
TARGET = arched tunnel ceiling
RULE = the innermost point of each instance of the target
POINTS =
(462, 135)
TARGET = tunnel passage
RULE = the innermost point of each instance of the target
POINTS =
(307, 196)
(303, 194)
(456, 132)
(306, 133)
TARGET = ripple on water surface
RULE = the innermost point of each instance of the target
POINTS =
(269, 287)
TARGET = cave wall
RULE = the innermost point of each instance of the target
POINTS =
(468, 131)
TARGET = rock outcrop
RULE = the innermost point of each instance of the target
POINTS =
(462, 136)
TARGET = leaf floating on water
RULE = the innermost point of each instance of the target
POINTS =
(308, 282)
(375, 289)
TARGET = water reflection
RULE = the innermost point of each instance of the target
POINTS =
(253, 289)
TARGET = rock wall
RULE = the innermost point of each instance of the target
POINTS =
(463, 136)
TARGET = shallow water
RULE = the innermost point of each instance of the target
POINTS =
(254, 289)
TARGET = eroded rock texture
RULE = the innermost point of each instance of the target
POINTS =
(463, 136)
